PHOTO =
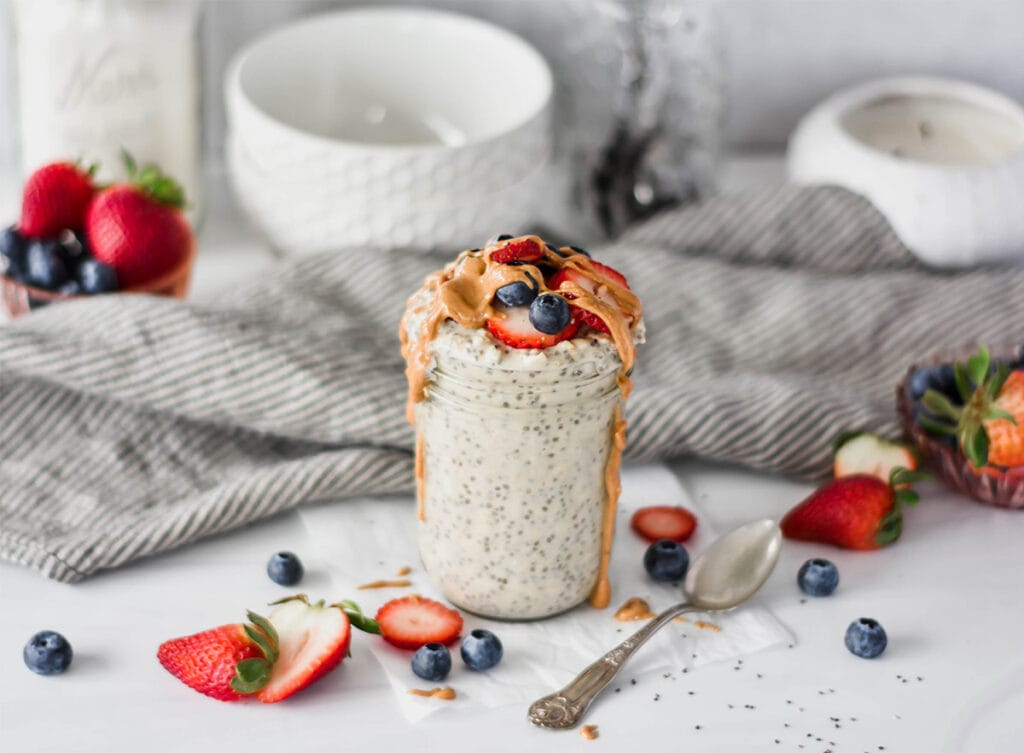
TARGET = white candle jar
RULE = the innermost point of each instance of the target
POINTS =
(943, 160)
(96, 76)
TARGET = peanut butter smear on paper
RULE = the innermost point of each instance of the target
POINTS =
(634, 609)
(442, 694)
(464, 292)
(385, 584)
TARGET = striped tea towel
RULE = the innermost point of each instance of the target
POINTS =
(132, 425)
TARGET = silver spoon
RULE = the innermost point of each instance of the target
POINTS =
(723, 577)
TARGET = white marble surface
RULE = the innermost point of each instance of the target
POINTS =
(949, 595)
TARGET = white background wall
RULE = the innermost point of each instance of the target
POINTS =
(781, 56)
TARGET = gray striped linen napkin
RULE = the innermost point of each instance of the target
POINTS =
(132, 425)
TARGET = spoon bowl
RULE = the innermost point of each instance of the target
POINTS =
(728, 573)
(734, 567)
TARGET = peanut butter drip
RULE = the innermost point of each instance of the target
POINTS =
(420, 479)
(589, 732)
(602, 593)
(465, 294)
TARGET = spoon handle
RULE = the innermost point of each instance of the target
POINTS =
(564, 708)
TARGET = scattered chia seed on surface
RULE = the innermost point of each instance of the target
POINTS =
(657, 696)
(633, 681)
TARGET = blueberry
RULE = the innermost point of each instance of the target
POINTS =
(579, 250)
(44, 267)
(499, 238)
(432, 662)
(70, 248)
(481, 650)
(920, 382)
(96, 277)
(285, 569)
(818, 577)
(47, 653)
(866, 638)
(557, 251)
(12, 253)
(666, 560)
(1018, 362)
(944, 380)
(549, 313)
(515, 294)
(71, 287)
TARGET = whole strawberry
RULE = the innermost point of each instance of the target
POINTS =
(139, 228)
(55, 198)
(854, 512)
(989, 426)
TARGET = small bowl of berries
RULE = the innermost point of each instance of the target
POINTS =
(77, 238)
(965, 414)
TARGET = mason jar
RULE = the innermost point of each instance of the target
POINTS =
(517, 473)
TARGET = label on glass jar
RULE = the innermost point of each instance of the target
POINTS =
(96, 76)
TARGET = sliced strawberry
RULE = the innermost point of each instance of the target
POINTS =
(610, 273)
(412, 621)
(312, 638)
(210, 661)
(574, 275)
(870, 454)
(664, 522)
(518, 249)
(515, 330)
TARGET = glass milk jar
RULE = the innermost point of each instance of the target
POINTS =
(513, 472)
(96, 76)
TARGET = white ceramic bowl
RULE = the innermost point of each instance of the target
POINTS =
(391, 104)
(943, 160)
(309, 221)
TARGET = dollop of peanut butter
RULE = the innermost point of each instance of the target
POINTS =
(634, 609)
(465, 291)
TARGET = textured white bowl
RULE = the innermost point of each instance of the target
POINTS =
(392, 103)
(310, 220)
(949, 215)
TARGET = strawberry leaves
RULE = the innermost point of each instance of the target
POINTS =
(979, 385)
(151, 181)
(890, 527)
(251, 675)
(357, 618)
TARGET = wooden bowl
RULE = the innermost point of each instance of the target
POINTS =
(1002, 487)
(17, 298)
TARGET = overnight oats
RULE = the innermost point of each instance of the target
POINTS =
(519, 358)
